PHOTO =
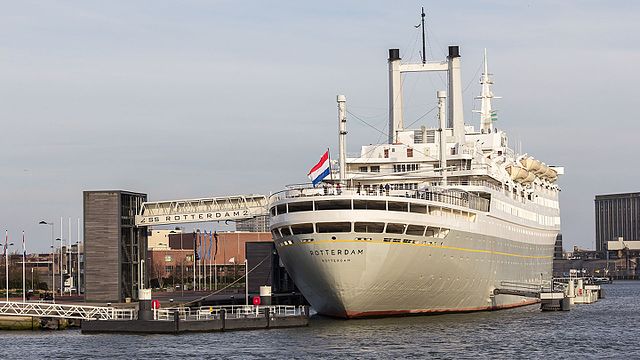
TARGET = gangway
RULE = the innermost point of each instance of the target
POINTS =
(67, 311)
(233, 207)
(521, 289)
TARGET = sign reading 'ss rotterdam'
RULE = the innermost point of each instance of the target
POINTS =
(336, 255)
(193, 217)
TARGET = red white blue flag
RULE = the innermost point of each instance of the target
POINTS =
(320, 170)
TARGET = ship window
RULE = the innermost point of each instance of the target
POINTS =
(393, 228)
(333, 205)
(301, 206)
(417, 230)
(363, 169)
(409, 152)
(398, 206)
(298, 229)
(375, 169)
(333, 227)
(368, 227)
(418, 208)
(369, 205)
(276, 234)
(273, 211)
(386, 153)
(285, 231)
(430, 232)
(282, 209)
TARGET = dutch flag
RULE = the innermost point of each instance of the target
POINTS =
(320, 170)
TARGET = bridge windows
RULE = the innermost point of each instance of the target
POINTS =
(333, 205)
(369, 205)
(398, 206)
(281, 209)
(299, 229)
(333, 227)
(418, 208)
(285, 231)
(300, 206)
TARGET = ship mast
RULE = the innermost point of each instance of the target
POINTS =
(424, 53)
(487, 115)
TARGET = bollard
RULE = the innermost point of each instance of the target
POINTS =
(144, 305)
(223, 318)
(267, 315)
(176, 320)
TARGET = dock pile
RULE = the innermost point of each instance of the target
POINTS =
(569, 291)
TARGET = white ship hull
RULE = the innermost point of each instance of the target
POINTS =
(357, 274)
(354, 278)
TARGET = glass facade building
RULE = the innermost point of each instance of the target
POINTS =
(617, 215)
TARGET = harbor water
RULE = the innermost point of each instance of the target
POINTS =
(602, 329)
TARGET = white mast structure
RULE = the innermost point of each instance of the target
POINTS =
(342, 135)
(487, 115)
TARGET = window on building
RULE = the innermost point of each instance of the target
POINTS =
(375, 169)
(168, 269)
(363, 169)
(188, 258)
(167, 258)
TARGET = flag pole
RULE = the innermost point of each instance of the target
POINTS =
(24, 255)
(330, 171)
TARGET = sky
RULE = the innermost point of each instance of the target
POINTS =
(189, 99)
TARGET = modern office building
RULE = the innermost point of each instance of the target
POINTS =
(256, 224)
(114, 246)
(617, 215)
(558, 250)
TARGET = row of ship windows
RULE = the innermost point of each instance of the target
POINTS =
(359, 227)
(365, 205)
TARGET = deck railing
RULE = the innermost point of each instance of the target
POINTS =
(231, 311)
(457, 197)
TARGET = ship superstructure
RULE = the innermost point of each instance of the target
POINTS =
(433, 221)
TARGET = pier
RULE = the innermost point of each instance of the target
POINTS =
(206, 319)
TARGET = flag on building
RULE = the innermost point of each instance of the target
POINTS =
(321, 170)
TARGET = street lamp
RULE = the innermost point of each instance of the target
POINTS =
(60, 262)
(6, 266)
(53, 260)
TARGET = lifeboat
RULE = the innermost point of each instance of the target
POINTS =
(530, 164)
(517, 173)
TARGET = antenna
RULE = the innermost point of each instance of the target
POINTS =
(424, 54)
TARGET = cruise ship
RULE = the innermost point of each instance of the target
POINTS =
(435, 220)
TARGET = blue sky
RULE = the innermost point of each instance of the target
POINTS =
(201, 98)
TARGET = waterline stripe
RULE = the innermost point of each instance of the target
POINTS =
(427, 245)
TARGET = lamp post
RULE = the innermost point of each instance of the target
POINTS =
(6, 267)
(53, 260)
(60, 268)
